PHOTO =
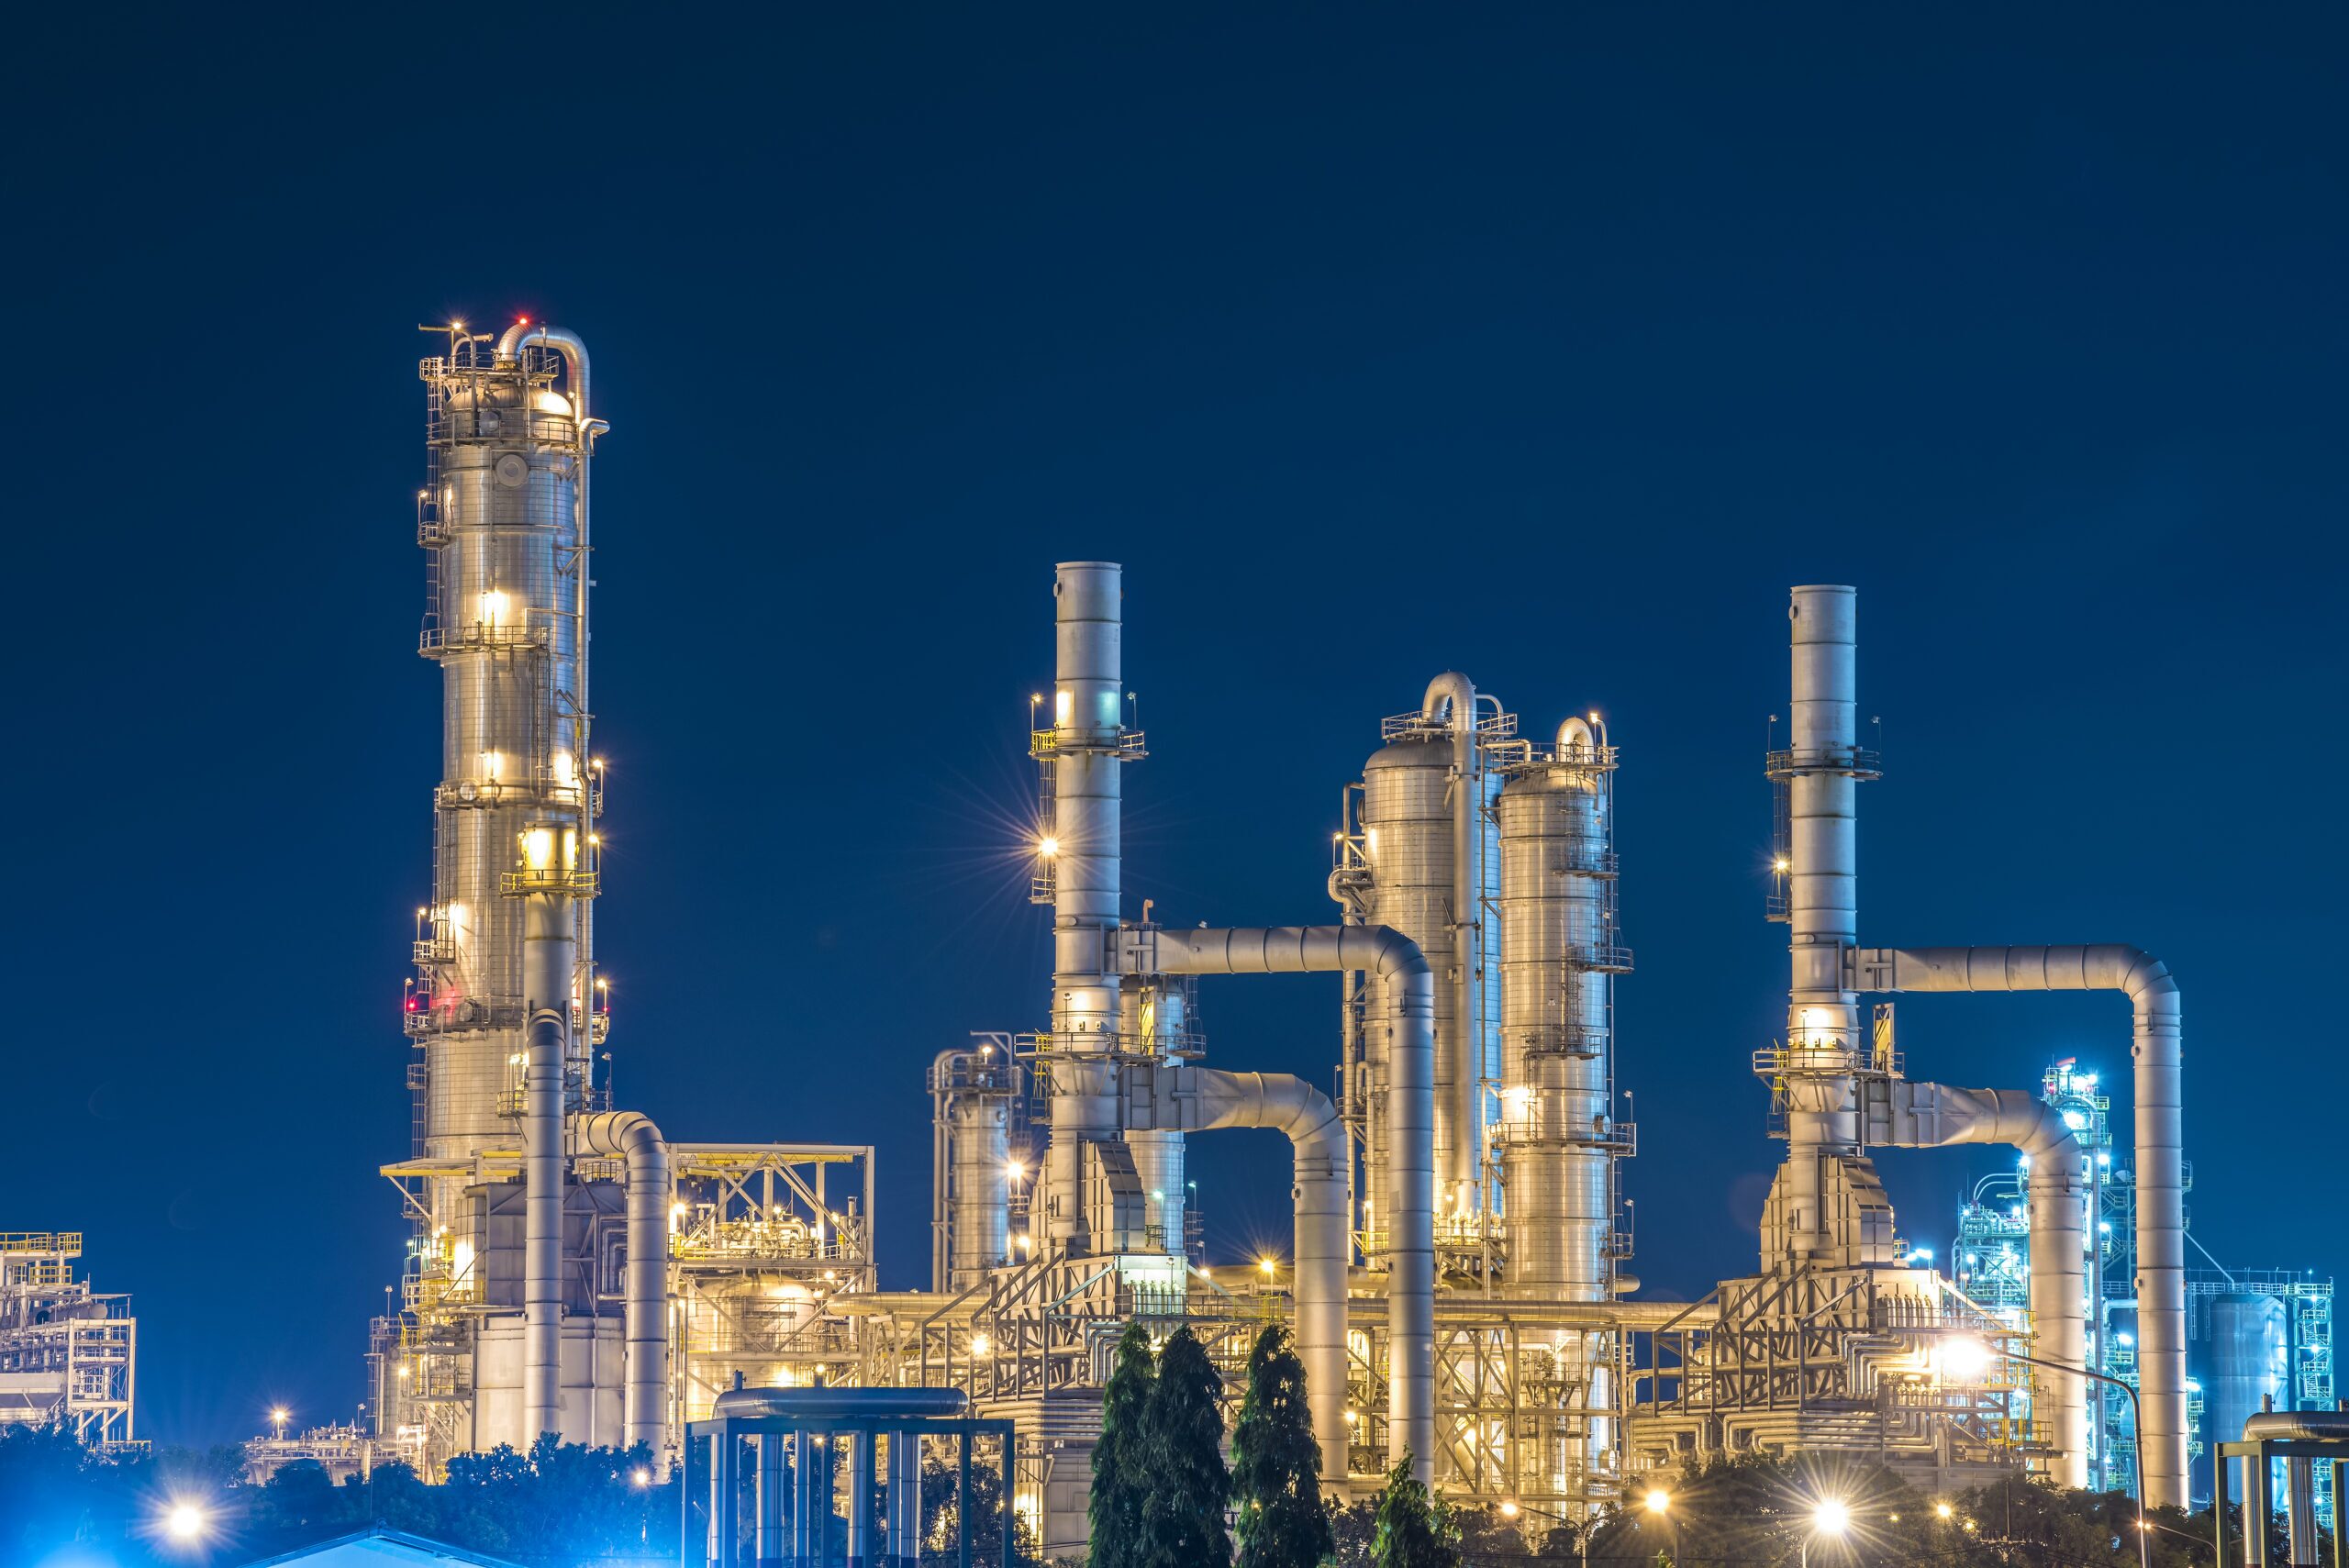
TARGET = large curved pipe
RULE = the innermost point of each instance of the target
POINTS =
(631, 1136)
(1294, 1107)
(2057, 1189)
(1460, 1063)
(2161, 1211)
(1409, 988)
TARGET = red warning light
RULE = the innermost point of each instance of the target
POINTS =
(521, 321)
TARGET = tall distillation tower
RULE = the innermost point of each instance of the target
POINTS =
(505, 953)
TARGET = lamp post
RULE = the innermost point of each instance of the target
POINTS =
(2136, 1417)
(1659, 1503)
(1829, 1518)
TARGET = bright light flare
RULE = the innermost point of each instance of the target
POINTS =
(1942, 1510)
(1048, 847)
(185, 1521)
(1509, 1510)
(1659, 1501)
(1964, 1360)
(1831, 1518)
(1267, 1265)
(640, 1478)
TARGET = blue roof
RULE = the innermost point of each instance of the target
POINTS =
(384, 1549)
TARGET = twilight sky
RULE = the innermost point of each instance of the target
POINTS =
(1548, 343)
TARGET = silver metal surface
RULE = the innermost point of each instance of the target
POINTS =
(2160, 1165)
(1079, 1200)
(1408, 987)
(629, 1136)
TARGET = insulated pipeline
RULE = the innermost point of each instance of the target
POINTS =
(630, 1137)
(1410, 990)
(1296, 1108)
(2161, 1214)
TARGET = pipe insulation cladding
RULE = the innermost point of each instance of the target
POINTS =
(2158, 1115)
(1408, 987)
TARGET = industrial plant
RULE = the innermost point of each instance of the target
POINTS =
(1458, 1284)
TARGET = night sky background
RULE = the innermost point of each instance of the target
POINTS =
(1551, 344)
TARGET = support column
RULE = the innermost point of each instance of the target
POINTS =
(860, 1497)
(768, 1543)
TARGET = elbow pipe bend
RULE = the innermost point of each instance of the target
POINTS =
(1323, 1245)
(1289, 949)
(631, 1136)
(1457, 689)
(567, 343)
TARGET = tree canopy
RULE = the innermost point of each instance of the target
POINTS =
(1182, 1513)
(1276, 1465)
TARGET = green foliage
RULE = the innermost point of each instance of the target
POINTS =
(1409, 1529)
(1276, 1465)
(941, 1499)
(1121, 1459)
(1181, 1514)
(556, 1506)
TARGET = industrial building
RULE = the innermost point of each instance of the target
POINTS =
(67, 1354)
(2256, 1338)
(1457, 1283)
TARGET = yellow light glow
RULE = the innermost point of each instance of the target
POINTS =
(1509, 1510)
(278, 1414)
(1353, 1417)
(492, 765)
(1963, 1360)
(1064, 705)
(1831, 1518)
(1659, 1501)
(1780, 862)
(981, 1344)
(1015, 1170)
(497, 608)
(537, 848)
(403, 1372)
(1026, 1241)
(1943, 1511)
(1267, 1265)
(1048, 847)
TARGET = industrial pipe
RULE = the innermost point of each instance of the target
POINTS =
(2057, 1185)
(2161, 1213)
(1410, 987)
(1297, 1108)
(548, 956)
(631, 1137)
(1459, 1062)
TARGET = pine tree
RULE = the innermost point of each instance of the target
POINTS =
(1122, 1460)
(1411, 1533)
(1181, 1517)
(1276, 1465)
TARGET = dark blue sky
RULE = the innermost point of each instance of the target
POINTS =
(1551, 344)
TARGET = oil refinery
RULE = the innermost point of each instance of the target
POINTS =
(1457, 1283)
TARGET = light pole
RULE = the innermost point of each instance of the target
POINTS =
(1659, 1502)
(2136, 1418)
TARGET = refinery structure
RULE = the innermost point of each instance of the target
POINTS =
(1456, 1284)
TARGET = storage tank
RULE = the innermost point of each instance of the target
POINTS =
(2250, 1346)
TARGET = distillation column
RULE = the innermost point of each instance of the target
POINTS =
(1560, 950)
(503, 954)
(1424, 843)
(1090, 1199)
